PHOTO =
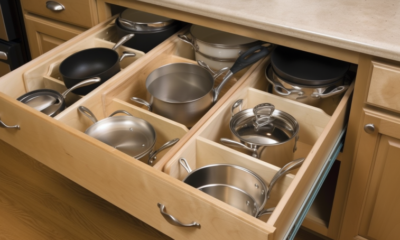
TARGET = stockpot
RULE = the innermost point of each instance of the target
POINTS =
(184, 92)
(268, 134)
(149, 29)
(236, 185)
(131, 135)
(49, 101)
(310, 95)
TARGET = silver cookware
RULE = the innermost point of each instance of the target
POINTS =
(184, 92)
(268, 134)
(310, 95)
(131, 135)
(235, 185)
(51, 102)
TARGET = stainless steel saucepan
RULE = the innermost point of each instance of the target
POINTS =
(184, 92)
(131, 135)
(268, 134)
(235, 185)
(49, 101)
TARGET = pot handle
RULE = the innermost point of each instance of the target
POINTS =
(237, 104)
(87, 113)
(285, 169)
(120, 111)
(166, 145)
(123, 40)
(266, 211)
(278, 87)
(185, 165)
(334, 91)
(232, 143)
(81, 84)
(214, 74)
(189, 41)
(141, 101)
(127, 54)
(246, 59)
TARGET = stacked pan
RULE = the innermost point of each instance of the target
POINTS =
(216, 48)
(306, 77)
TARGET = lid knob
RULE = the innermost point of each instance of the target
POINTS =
(263, 115)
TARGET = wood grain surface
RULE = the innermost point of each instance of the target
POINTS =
(38, 203)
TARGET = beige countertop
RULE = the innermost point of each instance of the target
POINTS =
(366, 26)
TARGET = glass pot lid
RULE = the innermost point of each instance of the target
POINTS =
(263, 125)
(141, 21)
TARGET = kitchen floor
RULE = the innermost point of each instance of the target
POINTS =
(38, 203)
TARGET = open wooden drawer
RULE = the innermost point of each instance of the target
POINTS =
(137, 188)
(319, 143)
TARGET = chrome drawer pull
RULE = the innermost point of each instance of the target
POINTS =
(369, 128)
(173, 220)
(3, 125)
(3, 55)
(55, 6)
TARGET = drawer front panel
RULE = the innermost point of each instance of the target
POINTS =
(383, 90)
(78, 12)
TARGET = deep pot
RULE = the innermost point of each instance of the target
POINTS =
(266, 133)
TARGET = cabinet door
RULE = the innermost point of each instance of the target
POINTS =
(44, 35)
(373, 209)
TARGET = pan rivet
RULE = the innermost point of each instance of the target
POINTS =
(130, 129)
(255, 185)
(247, 203)
(262, 192)
(143, 145)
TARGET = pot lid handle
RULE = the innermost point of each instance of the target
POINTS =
(263, 115)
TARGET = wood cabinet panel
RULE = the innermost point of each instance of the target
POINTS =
(44, 35)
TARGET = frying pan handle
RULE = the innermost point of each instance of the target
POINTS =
(87, 113)
(81, 84)
(249, 57)
(285, 169)
(166, 145)
(120, 111)
(189, 41)
(265, 212)
(127, 54)
(334, 91)
(123, 40)
(143, 102)
(237, 104)
(185, 165)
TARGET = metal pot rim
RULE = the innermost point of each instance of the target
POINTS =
(45, 91)
(181, 63)
(249, 112)
(131, 118)
(218, 45)
(145, 26)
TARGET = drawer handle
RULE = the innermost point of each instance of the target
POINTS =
(55, 6)
(3, 125)
(369, 128)
(173, 220)
(3, 56)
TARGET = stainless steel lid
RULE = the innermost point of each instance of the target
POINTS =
(264, 126)
(141, 21)
(220, 39)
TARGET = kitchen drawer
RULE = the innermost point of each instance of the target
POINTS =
(318, 143)
(383, 90)
(136, 187)
(81, 13)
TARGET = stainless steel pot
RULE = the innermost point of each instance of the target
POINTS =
(184, 92)
(268, 134)
(51, 102)
(131, 135)
(235, 185)
(310, 95)
(216, 48)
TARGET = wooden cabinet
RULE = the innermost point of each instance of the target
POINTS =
(373, 210)
(47, 29)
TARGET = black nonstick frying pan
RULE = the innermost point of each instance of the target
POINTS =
(92, 62)
(307, 69)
